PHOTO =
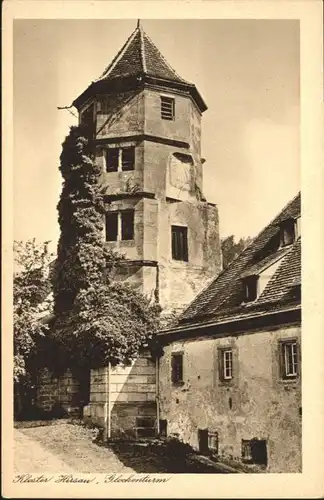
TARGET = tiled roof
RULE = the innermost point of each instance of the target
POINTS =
(139, 56)
(224, 297)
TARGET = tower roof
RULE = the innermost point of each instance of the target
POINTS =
(139, 58)
(139, 55)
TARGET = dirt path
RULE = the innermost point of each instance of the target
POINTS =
(62, 447)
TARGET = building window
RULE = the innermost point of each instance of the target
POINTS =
(127, 225)
(179, 243)
(112, 226)
(213, 442)
(167, 108)
(289, 359)
(287, 232)
(120, 225)
(250, 288)
(120, 159)
(254, 451)
(177, 368)
(226, 364)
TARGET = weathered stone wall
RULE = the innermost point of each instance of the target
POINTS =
(64, 390)
(255, 404)
(120, 115)
(125, 395)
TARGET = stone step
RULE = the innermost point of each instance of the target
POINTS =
(145, 421)
(145, 432)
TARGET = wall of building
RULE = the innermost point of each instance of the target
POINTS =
(255, 404)
(125, 396)
(64, 390)
(120, 114)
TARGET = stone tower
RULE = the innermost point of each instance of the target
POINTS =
(146, 121)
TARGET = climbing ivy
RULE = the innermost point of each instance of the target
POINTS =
(96, 320)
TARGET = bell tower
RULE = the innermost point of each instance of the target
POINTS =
(147, 126)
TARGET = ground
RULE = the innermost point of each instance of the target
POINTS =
(61, 446)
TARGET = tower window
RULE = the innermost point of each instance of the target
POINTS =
(120, 225)
(167, 108)
(226, 364)
(112, 159)
(177, 368)
(289, 359)
(127, 225)
(128, 158)
(120, 159)
(111, 226)
(179, 243)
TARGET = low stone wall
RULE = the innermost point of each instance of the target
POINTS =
(123, 399)
(62, 390)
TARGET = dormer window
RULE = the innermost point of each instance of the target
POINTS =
(287, 232)
(250, 288)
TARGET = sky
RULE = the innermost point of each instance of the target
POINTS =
(246, 70)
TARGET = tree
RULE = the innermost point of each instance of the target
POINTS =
(31, 301)
(230, 249)
(96, 319)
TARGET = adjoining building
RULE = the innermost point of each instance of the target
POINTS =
(230, 376)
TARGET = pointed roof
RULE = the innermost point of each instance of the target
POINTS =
(140, 60)
(140, 56)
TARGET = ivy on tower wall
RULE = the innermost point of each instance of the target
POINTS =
(96, 319)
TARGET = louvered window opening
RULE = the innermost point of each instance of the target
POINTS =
(167, 108)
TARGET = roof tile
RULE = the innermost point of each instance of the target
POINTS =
(224, 296)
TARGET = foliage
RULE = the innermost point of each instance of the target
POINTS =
(97, 320)
(31, 289)
(231, 250)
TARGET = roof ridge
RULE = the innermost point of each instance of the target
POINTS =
(142, 48)
(164, 59)
(118, 56)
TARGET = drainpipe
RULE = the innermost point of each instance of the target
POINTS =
(157, 366)
(107, 403)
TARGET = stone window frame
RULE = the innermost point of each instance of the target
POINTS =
(120, 164)
(287, 375)
(221, 352)
(179, 252)
(120, 221)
